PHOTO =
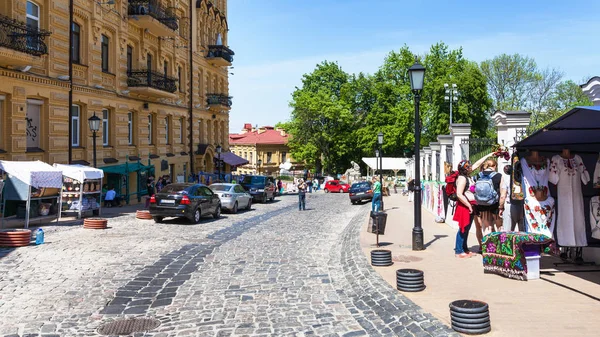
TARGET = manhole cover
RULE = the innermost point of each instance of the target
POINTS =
(128, 326)
(406, 258)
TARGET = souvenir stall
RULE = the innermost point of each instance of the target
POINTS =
(32, 187)
(433, 197)
(558, 181)
(81, 190)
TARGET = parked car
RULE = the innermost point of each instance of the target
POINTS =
(192, 201)
(261, 188)
(360, 191)
(336, 186)
(233, 196)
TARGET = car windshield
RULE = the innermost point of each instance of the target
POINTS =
(220, 187)
(174, 189)
(252, 180)
(360, 185)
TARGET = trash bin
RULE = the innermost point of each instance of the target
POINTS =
(377, 223)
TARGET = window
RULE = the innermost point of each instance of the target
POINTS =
(179, 79)
(250, 160)
(33, 21)
(130, 128)
(105, 127)
(105, 53)
(75, 125)
(167, 130)
(149, 61)
(129, 59)
(245, 155)
(166, 68)
(181, 130)
(150, 140)
(269, 157)
(283, 157)
(75, 52)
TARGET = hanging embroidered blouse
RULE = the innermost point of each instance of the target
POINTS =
(539, 214)
(595, 217)
(568, 174)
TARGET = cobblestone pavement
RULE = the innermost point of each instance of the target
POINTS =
(272, 271)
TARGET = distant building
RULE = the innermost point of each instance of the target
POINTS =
(267, 144)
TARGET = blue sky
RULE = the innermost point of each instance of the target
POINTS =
(277, 41)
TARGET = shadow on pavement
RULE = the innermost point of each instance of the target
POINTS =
(436, 237)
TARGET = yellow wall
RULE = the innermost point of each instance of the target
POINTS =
(250, 151)
(95, 90)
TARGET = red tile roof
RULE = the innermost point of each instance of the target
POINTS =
(268, 136)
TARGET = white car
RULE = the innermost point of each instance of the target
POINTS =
(233, 196)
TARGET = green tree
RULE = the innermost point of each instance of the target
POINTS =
(564, 97)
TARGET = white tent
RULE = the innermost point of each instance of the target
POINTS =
(80, 172)
(388, 163)
(33, 173)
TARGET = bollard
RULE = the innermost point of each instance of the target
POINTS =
(381, 258)
(410, 280)
(470, 317)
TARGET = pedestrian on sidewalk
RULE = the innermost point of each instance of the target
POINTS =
(376, 202)
(487, 210)
(465, 211)
(301, 195)
(310, 185)
(411, 187)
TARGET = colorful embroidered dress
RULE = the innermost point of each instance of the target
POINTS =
(597, 174)
(568, 174)
(539, 215)
(503, 252)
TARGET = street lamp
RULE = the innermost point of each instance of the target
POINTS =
(259, 162)
(451, 96)
(380, 142)
(417, 75)
(219, 149)
(94, 123)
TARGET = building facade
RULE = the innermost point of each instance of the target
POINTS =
(265, 148)
(136, 65)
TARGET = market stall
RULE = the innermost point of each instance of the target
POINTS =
(559, 181)
(32, 187)
(81, 190)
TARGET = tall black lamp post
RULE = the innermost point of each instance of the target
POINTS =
(219, 149)
(417, 75)
(380, 142)
(259, 162)
(94, 123)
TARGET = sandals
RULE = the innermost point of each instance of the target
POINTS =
(462, 255)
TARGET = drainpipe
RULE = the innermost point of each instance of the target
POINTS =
(70, 79)
(191, 104)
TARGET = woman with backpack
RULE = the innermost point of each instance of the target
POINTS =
(465, 210)
(487, 196)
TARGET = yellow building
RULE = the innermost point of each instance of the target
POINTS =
(130, 68)
(265, 148)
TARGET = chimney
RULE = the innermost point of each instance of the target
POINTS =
(247, 127)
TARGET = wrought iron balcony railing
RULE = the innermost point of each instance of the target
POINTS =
(18, 36)
(220, 99)
(153, 8)
(222, 52)
(152, 79)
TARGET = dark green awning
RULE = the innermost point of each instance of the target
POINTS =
(125, 168)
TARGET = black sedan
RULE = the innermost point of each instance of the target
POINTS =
(360, 191)
(191, 201)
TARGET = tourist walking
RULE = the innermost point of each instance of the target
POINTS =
(465, 211)
(376, 202)
(301, 195)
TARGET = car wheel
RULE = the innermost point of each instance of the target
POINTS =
(217, 213)
(158, 219)
(196, 216)
(326, 191)
(353, 202)
(235, 208)
(249, 206)
(341, 190)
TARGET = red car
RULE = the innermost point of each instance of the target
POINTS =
(336, 186)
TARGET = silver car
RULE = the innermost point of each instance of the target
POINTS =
(233, 196)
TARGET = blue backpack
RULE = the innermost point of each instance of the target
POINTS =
(485, 193)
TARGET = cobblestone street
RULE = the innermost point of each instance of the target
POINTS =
(270, 271)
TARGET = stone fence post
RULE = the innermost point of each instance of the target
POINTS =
(508, 123)
(458, 133)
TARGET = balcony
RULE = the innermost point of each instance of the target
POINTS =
(151, 15)
(151, 83)
(220, 55)
(20, 45)
(219, 99)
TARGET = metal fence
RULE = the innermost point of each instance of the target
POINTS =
(478, 147)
